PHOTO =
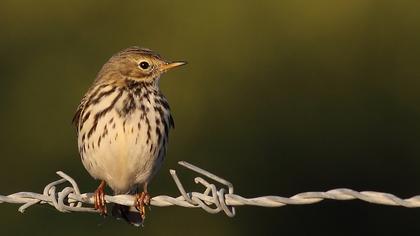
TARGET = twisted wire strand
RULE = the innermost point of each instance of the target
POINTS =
(212, 199)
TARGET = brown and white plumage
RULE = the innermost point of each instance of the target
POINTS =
(123, 121)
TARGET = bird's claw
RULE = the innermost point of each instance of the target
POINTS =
(142, 200)
(99, 199)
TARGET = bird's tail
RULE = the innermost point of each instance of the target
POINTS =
(127, 213)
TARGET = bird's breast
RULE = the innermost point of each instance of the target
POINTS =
(123, 135)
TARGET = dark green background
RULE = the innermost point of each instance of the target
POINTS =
(279, 97)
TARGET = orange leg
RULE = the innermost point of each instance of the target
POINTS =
(100, 198)
(142, 200)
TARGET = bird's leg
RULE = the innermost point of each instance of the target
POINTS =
(142, 200)
(100, 198)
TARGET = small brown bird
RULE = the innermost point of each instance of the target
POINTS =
(123, 123)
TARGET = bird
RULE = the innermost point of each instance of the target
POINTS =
(122, 125)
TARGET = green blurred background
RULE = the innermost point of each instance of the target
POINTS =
(279, 97)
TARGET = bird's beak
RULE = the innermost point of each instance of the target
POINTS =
(171, 65)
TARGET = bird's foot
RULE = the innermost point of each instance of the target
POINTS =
(142, 200)
(100, 199)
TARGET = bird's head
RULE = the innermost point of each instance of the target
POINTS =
(137, 64)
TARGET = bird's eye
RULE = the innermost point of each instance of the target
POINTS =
(144, 65)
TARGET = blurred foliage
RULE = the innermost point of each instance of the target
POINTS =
(279, 97)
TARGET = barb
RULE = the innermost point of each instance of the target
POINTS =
(212, 199)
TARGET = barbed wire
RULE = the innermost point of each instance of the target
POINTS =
(212, 200)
